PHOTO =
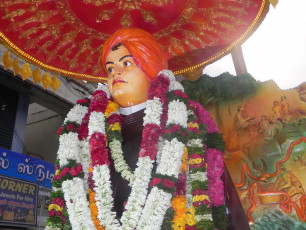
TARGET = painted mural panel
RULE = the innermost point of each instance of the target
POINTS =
(266, 155)
(265, 133)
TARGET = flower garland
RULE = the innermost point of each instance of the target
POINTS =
(68, 168)
(175, 128)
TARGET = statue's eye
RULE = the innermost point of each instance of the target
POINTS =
(110, 69)
(127, 63)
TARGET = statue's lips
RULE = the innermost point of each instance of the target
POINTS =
(116, 81)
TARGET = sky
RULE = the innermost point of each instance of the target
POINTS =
(276, 50)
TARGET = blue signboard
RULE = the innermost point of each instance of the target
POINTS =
(27, 168)
(18, 201)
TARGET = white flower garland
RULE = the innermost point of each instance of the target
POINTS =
(177, 113)
(69, 148)
(119, 162)
(154, 110)
(103, 197)
(77, 204)
(171, 158)
(138, 194)
(156, 206)
(76, 114)
(96, 123)
(85, 159)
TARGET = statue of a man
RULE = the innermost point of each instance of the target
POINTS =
(157, 163)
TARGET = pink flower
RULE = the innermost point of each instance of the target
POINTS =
(204, 116)
(70, 127)
(155, 181)
(64, 171)
(58, 213)
(98, 102)
(180, 94)
(59, 131)
(57, 177)
(52, 212)
(181, 185)
(159, 88)
(187, 227)
(59, 201)
(193, 129)
(168, 183)
(98, 151)
(214, 172)
(114, 118)
(76, 170)
(175, 128)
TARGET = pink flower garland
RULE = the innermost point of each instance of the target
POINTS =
(214, 158)
(97, 141)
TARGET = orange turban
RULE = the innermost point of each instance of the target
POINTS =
(143, 47)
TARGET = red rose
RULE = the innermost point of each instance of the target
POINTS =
(168, 183)
(70, 127)
(64, 171)
(57, 177)
(52, 212)
(174, 129)
(58, 213)
(79, 101)
(59, 131)
(59, 201)
(114, 118)
(76, 170)
(155, 181)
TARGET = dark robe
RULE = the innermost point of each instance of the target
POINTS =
(132, 127)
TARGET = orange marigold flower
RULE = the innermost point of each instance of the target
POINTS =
(92, 197)
(111, 107)
(179, 203)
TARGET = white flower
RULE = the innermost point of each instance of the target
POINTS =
(174, 84)
(119, 162)
(77, 204)
(170, 161)
(85, 159)
(177, 113)
(69, 148)
(76, 114)
(168, 73)
(190, 112)
(160, 147)
(188, 190)
(96, 123)
(203, 217)
(52, 228)
(103, 197)
(195, 143)
(153, 112)
(156, 206)
(200, 176)
(139, 192)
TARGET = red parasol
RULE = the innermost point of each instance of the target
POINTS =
(66, 36)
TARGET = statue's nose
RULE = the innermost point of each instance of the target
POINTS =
(118, 71)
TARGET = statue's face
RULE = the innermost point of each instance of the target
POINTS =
(127, 83)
